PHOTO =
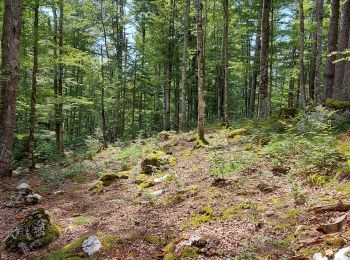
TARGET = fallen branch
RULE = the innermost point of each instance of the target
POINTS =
(340, 206)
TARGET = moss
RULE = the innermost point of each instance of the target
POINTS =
(141, 178)
(190, 252)
(97, 186)
(155, 161)
(82, 220)
(123, 175)
(318, 180)
(344, 188)
(205, 215)
(229, 213)
(335, 241)
(146, 184)
(110, 241)
(293, 213)
(286, 112)
(237, 132)
(169, 248)
(200, 144)
(169, 256)
(154, 240)
(336, 104)
(108, 176)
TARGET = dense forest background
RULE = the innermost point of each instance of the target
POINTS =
(115, 70)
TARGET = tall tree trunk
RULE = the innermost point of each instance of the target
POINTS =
(264, 59)
(332, 47)
(201, 70)
(319, 42)
(342, 46)
(301, 54)
(9, 92)
(255, 72)
(271, 60)
(346, 80)
(225, 60)
(34, 84)
(184, 125)
(103, 113)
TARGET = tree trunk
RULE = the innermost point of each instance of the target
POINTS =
(103, 113)
(34, 85)
(8, 109)
(301, 54)
(264, 59)
(184, 125)
(271, 60)
(319, 43)
(255, 72)
(201, 70)
(346, 80)
(332, 47)
(342, 46)
(225, 60)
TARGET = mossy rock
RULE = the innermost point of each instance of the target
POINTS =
(108, 178)
(237, 132)
(286, 112)
(35, 231)
(167, 139)
(155, 161)
(336, 104)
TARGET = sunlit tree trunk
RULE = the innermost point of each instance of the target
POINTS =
(301, 54)
(319, 43)
(225, 61)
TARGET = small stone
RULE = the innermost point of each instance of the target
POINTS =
(157, 193)
(91, 245)
(187, 242)
(160, 179)
(32, 199)
(59, 192)
(23, 188)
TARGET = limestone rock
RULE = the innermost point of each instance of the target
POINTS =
(35, 231)
(91, 245)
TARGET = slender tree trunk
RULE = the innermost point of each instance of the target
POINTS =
(184, 125)
(271, 60)
(255, 72)
(346, 80)
(103, 113)
(201, 70)
(264, 59)
(332, 47)
(133, 132)
(225, 60)
(301, 54)
(343, 41)
(9, 92)
(319, 42)
(34, 84)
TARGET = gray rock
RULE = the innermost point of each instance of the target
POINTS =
(32, 199)
(187, 242)
(35, 231)
(23, 188)
(91, 245)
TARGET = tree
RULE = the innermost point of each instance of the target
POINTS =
(264, 59)
(31, 144)
(201, 71)
(301, 54)
(332, 47)
(225, 59)
(342, 46)
(319, 43)
(184, 67)
(11, 79)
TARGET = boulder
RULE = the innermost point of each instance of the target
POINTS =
(156, 161)
(35, 231)
(167, 139)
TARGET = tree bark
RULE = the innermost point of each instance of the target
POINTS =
(8, 110)
(342, 46)
(31, 145)
(319, 43)
(103, 112)
(184, 125)
(301, 55)
(332, 47)
(264, 59)
(225, 61)
(201, 70)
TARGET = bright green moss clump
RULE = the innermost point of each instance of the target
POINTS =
(336, 104)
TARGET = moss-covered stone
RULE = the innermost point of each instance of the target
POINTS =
(286, 112)
(35, 231)
(167, 139)
(336, 104)
(155, 161)
(237, 132)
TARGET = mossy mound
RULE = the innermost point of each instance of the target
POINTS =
(156, 161)
(35, 231)
(286, 112)
(336, 104)
(167, 139)
(236, 132)
(108, 178)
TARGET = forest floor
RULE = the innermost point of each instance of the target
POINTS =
(247, 195)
